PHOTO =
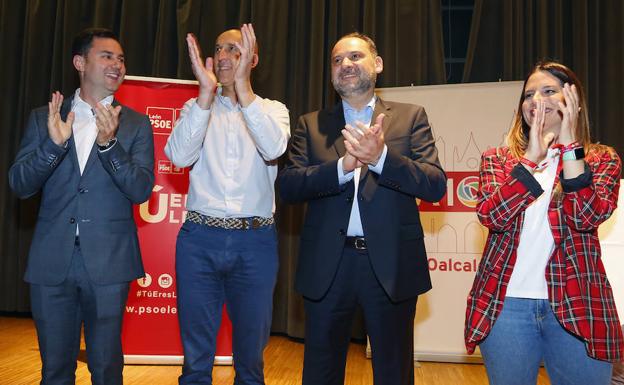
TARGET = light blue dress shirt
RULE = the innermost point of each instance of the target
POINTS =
(364, 116)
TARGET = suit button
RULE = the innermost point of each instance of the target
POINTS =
(72, 221)
(349, 199)
(342, 232)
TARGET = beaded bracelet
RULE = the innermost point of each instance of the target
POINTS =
(528, 163)
(571, 146)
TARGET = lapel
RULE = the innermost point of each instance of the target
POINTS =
(65, 110)
(336, 123)
(380, 107)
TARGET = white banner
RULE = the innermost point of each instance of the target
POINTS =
(466, 119)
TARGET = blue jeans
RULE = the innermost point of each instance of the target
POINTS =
(238, 267)
(527, 332)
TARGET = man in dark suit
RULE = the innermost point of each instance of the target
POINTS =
(360, 165)
(91, 159)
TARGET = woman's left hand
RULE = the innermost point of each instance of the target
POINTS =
(569, 111)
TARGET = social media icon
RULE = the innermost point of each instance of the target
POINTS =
(145, 281)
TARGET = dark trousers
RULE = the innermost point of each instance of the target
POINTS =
(238, 267)
(390, 327)
(59, 312)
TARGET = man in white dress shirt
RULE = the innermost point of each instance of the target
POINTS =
(227, 248)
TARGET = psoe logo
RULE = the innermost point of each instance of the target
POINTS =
(171, 205)
(467, 190)
(145, 281)
(162, 119)
(166, 167)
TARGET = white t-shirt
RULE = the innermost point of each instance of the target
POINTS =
(528, 279)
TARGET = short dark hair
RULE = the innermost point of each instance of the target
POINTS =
(84, 40)
(371, 44)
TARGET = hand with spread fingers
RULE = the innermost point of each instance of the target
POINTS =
(107, 122)
(60, 131)
(570, 112)
(247, 52)
(247, 60)
(366, 144)
(538, 142)
(203, 71)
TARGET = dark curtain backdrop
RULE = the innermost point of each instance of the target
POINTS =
(295, 38)
(509, 36)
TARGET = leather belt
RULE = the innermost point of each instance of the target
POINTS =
(249, 223)
(358, 243)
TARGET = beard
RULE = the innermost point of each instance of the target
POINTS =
(365, 81)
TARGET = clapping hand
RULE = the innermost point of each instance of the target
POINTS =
(569, 111)
(106, 121)
(59, 130)
(366, 144)
(538, 142)
(203, 71)
(248, 59)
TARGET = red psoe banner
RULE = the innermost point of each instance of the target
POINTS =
(150, 326)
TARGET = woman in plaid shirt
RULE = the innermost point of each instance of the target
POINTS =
(541, 292)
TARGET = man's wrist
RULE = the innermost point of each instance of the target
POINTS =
(107, 145)
(204, 100)
(376, 160)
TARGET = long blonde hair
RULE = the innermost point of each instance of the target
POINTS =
(518, 136)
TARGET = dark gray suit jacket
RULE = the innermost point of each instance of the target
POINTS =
(99, 201)
(388, 210)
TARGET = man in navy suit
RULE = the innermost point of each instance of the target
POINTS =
(360, 165)
(92, 159)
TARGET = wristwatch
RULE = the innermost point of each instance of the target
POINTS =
(574, 154)
(111, 142)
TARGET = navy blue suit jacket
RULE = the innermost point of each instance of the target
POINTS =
(99, 201)
(388, 209)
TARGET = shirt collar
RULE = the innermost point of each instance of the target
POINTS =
(225, 100)
(371, 104)
(79, 104)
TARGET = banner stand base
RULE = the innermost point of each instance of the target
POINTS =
(135, 359)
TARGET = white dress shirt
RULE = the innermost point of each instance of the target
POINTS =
(84, 129)
(536, 243)
(233, 151)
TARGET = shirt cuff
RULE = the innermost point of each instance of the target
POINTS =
(577, 183)
(342, 177)
(378, 168)
(527, 179)
(253, 110)
(198, 114)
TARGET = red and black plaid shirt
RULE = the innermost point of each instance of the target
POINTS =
(580, 294)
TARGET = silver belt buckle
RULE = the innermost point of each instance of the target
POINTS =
(359, 244)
